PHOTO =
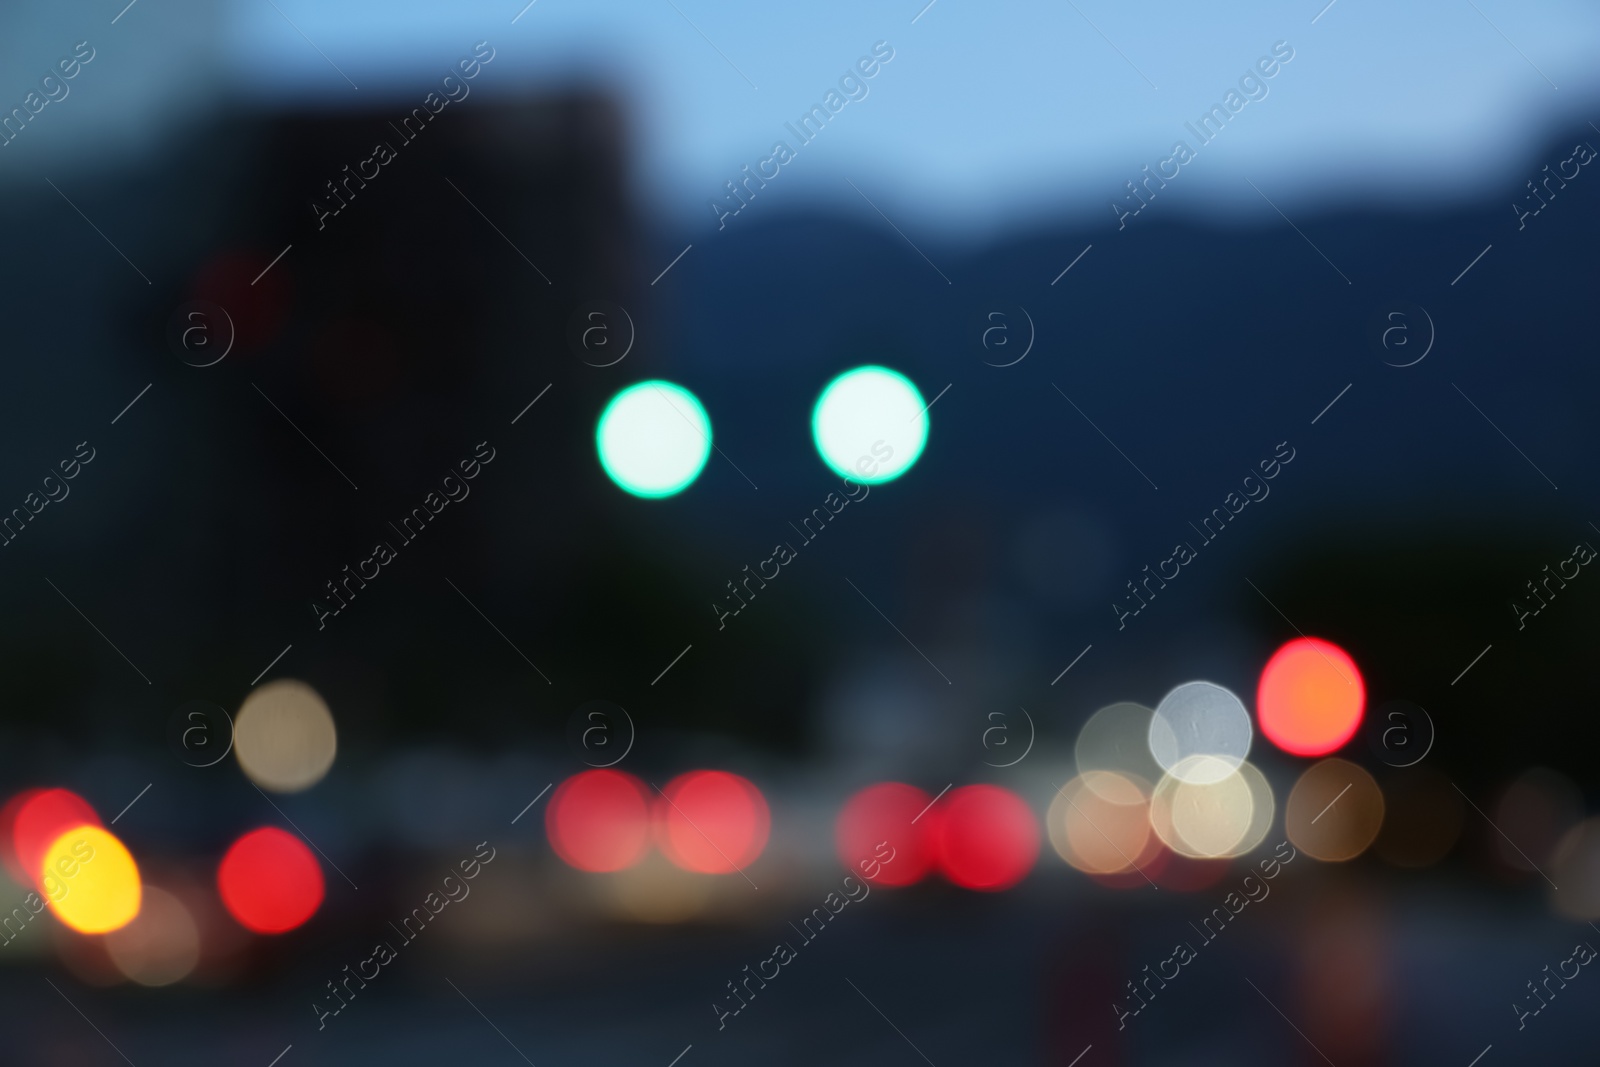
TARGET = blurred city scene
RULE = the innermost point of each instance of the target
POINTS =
(855, 534)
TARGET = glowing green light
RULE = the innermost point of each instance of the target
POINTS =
(870, 424)
(653, 438)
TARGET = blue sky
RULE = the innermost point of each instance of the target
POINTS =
(987, 116)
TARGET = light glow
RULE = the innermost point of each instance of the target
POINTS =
(599, 821)
(988, 838)
(653, 438)
(712, 822)
(870, 424)
(91, 881)
(1200, 719)
(284, 736)
(1311, 697)
(269, 881)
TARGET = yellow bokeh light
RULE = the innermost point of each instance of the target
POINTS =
(284, 737)
(91, 881)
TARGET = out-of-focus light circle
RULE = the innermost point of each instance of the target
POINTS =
(870, 424)
(1334, 811)
(1536, 809)
(1422, 818)
(987, 838)
(46, 814)
(159, 947)
(1213, 819)
(284, 736)
(1575, 869)
(91, 881)
(1202, 812)
(1099, 822)
(1117, 739)
(884, 813)
(1263, 805)
(8, 837)
(712, 822)
(653, 438)
(599, 821)
(269, 881)
(1200, 719)
(1311, 697)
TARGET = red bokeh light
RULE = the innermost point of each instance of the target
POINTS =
(712, 822)
(1311, 697)
(8, 844)
(599, 821)
(884, 812)
(269, 881)
(987, 838)
(40, 819)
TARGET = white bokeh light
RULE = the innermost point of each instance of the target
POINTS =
(1200, 719)
(870, 424)
(653, 438)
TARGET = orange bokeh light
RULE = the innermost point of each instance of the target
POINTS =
(1311, 697)
(712, 822)
(599, 821)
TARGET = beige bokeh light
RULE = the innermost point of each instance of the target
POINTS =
(159, 947)
(1207, 808)
(284, 736)
(1117, 738)
(1099, 822)
(1263, 806)
(1334, 811)
(1575, 869)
